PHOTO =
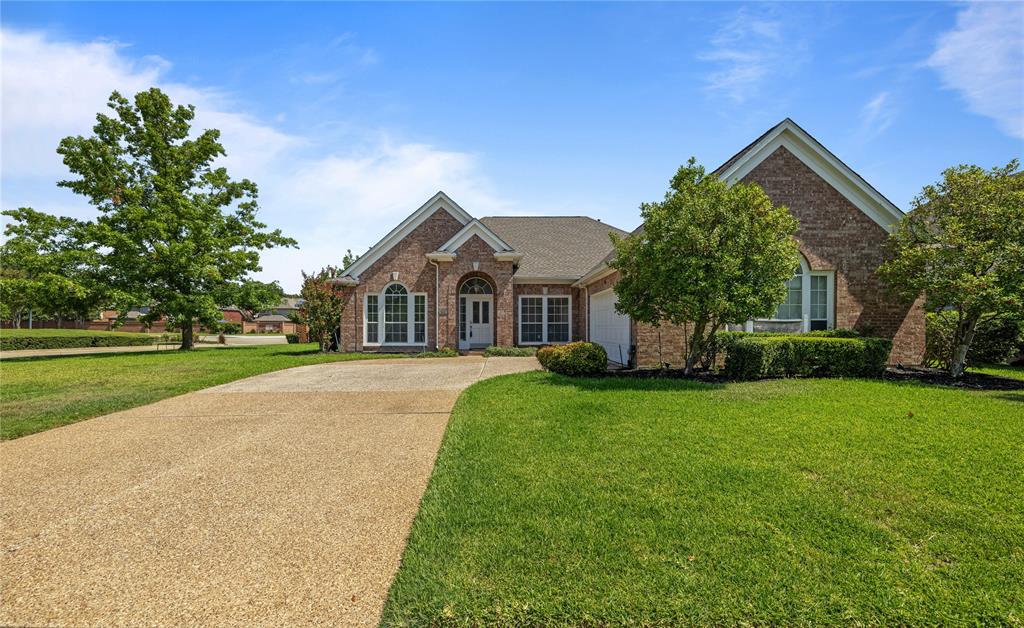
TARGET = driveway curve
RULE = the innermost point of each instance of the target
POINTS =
(282, 499)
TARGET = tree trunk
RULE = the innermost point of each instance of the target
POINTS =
(962, 343)
(696, 346)
(187, 342)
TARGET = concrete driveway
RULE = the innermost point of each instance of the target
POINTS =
(283, 499)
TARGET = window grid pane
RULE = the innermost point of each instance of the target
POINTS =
(420, 320)
(558, 319)
(531, 317)
(372, 319)
(792, 308)
(462, 319)
(396, 315)
(819, 297)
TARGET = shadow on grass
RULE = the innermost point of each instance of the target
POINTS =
(612, 382)
(1018, 397)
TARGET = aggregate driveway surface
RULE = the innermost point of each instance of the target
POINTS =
(282, 499)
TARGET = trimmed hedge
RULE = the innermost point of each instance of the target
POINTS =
(723, 340)
(574, 359)
(509, 352)
(14, 342)
(292, 339)
(754, 357)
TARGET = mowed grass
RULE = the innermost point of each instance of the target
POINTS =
(636, 502)
(1001, 370)
(38, 394)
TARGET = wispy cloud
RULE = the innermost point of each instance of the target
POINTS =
(877, 115)
(328, 200)
(982, 57)
(746, 51)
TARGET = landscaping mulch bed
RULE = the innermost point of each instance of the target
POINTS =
(923, 375)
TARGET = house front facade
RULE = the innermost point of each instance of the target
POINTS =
(444, 278)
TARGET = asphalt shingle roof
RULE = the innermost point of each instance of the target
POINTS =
(554, 247)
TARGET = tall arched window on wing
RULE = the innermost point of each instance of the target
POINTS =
(402, 314)
(809, 304)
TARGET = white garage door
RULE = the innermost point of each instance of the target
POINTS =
(608, 328)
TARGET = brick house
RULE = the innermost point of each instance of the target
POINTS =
(443, 278)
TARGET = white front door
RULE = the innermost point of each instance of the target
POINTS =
(479, 320)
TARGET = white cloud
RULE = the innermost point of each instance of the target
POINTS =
(329, 201)
(748, 50)
(877, 115)
(982, 57)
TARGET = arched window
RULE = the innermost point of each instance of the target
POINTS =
(475, 285)
(809, 304)
(403, 314)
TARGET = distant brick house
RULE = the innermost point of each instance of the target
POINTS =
(443, 278)
(278, 319)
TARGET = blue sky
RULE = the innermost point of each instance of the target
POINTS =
(351, 115)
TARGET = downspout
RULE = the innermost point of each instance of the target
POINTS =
(586, 300)
(437, 304)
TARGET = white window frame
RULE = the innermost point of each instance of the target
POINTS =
(805, 300)
(410, 324)
(544, 306)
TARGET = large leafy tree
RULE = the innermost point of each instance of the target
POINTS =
(50, 267)
(708, 254)
(323, 302)
(173, 229)
(252, 297)
(962, 245)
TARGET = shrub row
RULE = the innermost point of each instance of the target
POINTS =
(994, 340)
(16, 343)
(757, 356)
(292, 338)
(575, 358)
(509, 352)
(720, 343)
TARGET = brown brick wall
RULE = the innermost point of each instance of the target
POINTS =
(498, 274)
(835, 235)
(408, 259)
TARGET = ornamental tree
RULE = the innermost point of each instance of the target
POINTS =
(323, 302)
(174, 231)
(708, 254)
(962, 245)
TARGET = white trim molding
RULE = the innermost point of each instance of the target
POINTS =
(474, 228)
(806, 284)
(814, 155)
(561, 281)
(415, 219)
(544, 318)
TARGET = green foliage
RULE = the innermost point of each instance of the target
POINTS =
(174, 231)
(348, 259)
(292, 338)
(251, 297)
(230, 328)
(995, 340)
(47, 265)
(323, 303)
(708, 254)
(779, 355)
(446, 352)
(720, 343)
(574, 359)
(509, 352)
(18, 339)
(962, 245)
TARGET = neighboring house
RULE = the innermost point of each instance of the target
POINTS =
(278, 319)
(443, 278)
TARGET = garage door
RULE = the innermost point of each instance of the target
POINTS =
(608, 328)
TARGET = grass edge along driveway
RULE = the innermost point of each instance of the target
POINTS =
(607, 502)
(42, 393)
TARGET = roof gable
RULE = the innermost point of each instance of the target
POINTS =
(819, 159)
(415, 219)
(475, 228)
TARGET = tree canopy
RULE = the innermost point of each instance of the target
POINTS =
(174, 231)
(323, 302)
(962, 246)
(707, 255)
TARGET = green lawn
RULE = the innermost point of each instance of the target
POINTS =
(38, 394)
(643, 502)
(1002, 370)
